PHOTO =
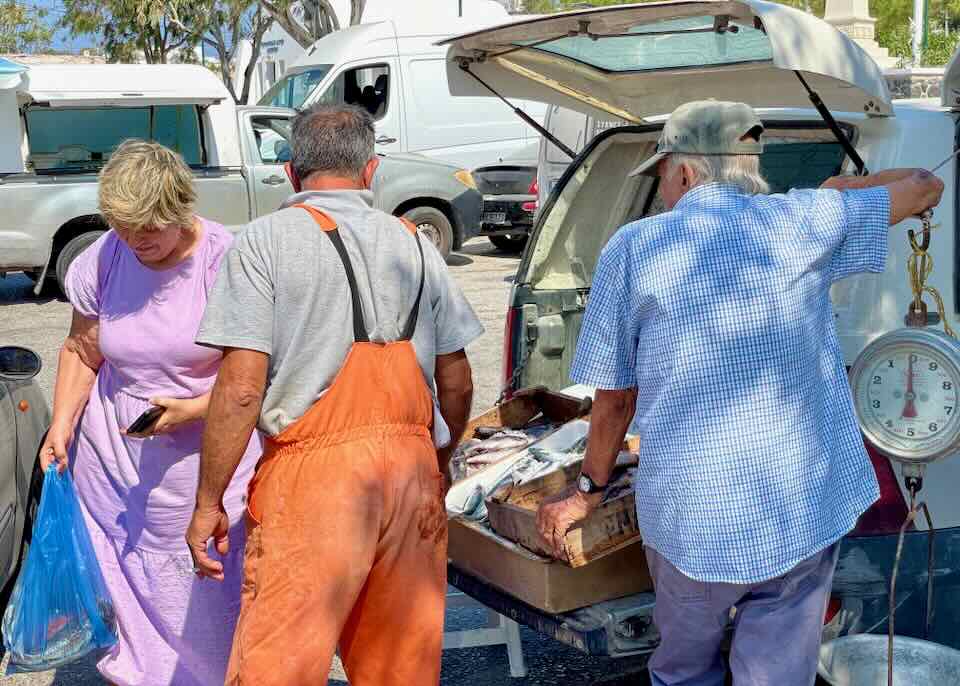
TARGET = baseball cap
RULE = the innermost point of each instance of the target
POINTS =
(707, 127)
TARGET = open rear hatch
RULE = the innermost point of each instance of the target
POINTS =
(639, 61)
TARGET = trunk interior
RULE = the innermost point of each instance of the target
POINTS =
(592, 200)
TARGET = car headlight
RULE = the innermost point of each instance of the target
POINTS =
(466, 178)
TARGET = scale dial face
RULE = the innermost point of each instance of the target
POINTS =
(906, 388)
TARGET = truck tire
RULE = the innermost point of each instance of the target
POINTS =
(512, 243)
(71, 251)
(433, 225)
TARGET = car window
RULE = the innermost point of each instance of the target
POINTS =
(367, 86)
(669, 44)
(272, 135)
(84, 138)
(295, 88)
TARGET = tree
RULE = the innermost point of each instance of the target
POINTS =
(126, 27)
(221, 24)
(309, 20)
(22, 27)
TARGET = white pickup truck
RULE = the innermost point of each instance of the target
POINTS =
(635, 64)
(59, 124)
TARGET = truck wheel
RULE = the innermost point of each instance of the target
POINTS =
(510, 243)
(433, 225)
(71, 251)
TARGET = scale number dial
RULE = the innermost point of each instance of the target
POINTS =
(907, 394)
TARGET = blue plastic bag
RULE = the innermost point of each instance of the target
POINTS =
(60, 609)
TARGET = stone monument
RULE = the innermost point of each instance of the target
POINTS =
(853, 18)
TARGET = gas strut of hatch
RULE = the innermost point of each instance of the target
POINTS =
(841, 136)
(523, 115)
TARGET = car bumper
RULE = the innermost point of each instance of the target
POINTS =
(504, 215)
(467, 210)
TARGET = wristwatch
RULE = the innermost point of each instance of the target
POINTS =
(588, 486)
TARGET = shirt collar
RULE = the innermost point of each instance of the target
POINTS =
(709, 194)
(334, 202)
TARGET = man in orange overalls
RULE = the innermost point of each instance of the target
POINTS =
(336, 321)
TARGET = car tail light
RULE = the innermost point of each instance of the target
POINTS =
(534, 190)
(509, 346)
(833, 608)
(885, 516)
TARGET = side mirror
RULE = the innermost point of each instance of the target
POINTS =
(19, 364)
(281, 151)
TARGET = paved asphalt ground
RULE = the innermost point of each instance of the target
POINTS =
(485, 275)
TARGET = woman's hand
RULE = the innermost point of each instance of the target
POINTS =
(55, 446)
(177, 412)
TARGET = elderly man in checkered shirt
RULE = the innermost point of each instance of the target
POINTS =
(710, 328)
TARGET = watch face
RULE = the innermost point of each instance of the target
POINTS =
(584, 483)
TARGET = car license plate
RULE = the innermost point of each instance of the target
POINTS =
(495, 218)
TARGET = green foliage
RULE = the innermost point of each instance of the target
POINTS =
(23, 28)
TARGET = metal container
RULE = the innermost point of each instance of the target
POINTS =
(861, 660)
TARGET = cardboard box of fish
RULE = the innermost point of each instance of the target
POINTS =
(513, 458)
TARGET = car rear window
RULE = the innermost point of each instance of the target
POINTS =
(83, 139)
(669, 44)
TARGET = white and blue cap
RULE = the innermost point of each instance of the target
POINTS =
(707, 127)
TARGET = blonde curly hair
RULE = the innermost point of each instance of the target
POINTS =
(146, 185)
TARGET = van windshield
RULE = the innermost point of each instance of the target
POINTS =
(293, 89)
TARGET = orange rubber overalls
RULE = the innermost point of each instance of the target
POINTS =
(347, 527)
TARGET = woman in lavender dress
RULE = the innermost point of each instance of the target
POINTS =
(138, 295)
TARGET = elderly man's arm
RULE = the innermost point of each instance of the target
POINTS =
(231, 419)
(609, 420)
(912, 191)
(454, 379)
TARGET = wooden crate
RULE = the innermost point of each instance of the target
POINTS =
(525, 405)
(609, 528)
(540, 581)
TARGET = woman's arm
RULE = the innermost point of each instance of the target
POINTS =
(80, 358)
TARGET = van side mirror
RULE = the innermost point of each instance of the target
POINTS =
(19, 364)
(281, 151)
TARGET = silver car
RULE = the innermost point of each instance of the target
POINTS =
(24, 418)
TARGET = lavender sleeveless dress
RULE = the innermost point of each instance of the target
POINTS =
(138, 494)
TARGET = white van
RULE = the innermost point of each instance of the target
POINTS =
(393, 69)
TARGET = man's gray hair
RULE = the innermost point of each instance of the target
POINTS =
(332, 139)
(742, 171)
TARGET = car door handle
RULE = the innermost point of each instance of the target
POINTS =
(274, 180)
(386, 140)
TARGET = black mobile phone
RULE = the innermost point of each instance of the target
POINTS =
(145, 421)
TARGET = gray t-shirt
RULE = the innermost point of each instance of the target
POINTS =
(282, 290)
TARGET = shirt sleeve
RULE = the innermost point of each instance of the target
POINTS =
(456, 323)
(82, 284)
(855, 224)
(606, 356)
(240, 307)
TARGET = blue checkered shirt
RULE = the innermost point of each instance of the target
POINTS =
(719, 313)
